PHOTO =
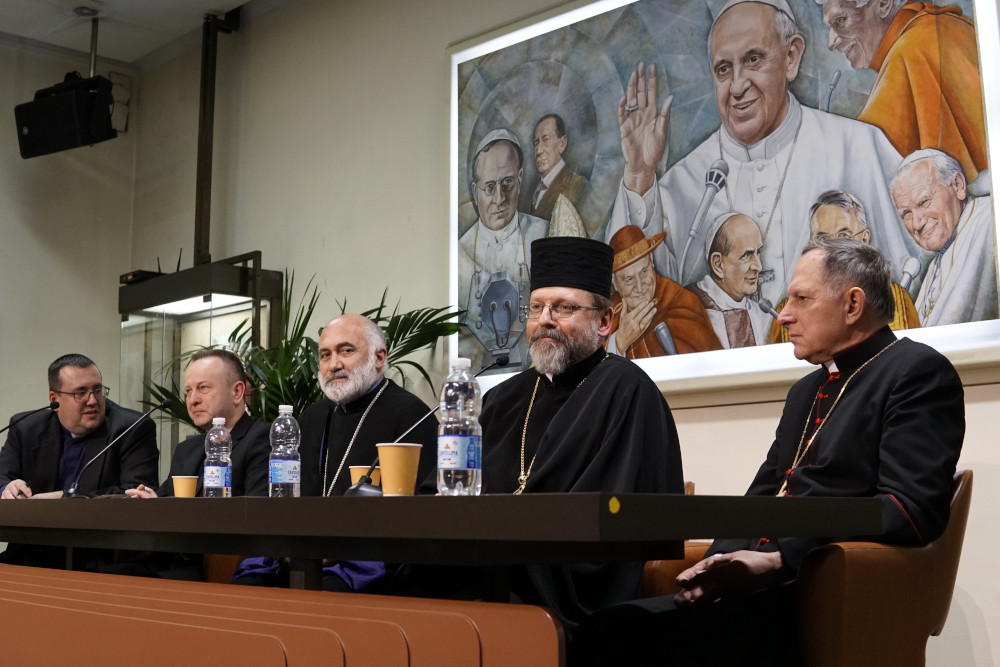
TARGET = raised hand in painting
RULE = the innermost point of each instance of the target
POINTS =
(643, 129)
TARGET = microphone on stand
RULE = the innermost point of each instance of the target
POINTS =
(910, 269)
(715, 180)
(71, 491)
(768, 308)
(833, 84)
(364, 487)
(51, 406)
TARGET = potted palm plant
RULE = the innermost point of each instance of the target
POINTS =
(284, 372)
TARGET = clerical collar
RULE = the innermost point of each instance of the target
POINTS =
(768, 147)
(498, 236)
(721, 299)
(67, 434)
(577, 372)
(360, 403)
(849, 360)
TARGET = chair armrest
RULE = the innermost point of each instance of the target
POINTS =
(659, 576)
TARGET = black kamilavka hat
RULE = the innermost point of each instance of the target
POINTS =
(568, 261)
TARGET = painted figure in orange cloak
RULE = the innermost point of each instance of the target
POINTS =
(928, 92)
(644, 300)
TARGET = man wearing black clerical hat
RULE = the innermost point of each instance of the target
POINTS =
(580, 420)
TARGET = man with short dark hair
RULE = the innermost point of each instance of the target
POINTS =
(554, 177)
(882, 417)
(46, 453)
(580, 420)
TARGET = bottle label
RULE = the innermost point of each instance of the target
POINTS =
(459, 452)
(217, 477)
(284, 471)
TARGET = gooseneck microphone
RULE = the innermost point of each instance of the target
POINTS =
(51, 406)
(71, 491)
(715, 180)
(833, 84)
(364, 487)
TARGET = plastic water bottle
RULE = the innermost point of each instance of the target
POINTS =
(460, 448)
(218, 478)
(285, 465)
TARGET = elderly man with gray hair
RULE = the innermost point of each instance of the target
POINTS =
(960, 284)
(777, 153)
(928, 92)
(880, 416)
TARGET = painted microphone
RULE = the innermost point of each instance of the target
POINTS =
(715, 180)
(911, 267)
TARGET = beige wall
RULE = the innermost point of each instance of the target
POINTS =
(332, 158)
(65, 225)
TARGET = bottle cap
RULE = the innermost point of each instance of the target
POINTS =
(284, 408)
(462, 362)
(218, 421)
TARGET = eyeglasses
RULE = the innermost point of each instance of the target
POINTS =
(842, 235)
(83, 395)
(558, 311)
(506, 185)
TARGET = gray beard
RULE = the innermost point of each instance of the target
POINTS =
(358, 382)
(553, 360)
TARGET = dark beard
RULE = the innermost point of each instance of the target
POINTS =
(550, 359)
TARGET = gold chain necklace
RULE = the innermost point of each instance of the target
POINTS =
(800, 452)
(522, 479)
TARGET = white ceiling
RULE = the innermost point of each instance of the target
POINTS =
(127, 29)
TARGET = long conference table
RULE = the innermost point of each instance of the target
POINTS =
(491, 530)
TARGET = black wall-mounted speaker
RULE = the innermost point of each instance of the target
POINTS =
(74, 113)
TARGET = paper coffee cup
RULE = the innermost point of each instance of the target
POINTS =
(399, 461)
(185, 486)
(358, 471)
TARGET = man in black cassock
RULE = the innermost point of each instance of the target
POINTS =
(882, 417)
(579, 420)
(362, 408)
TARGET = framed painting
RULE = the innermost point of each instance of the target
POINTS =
(707, 143)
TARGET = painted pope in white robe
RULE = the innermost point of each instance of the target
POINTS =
(960, 284)
(780, 155)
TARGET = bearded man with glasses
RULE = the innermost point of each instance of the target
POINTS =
(494, 254)
(46, 452)
(580, 420)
